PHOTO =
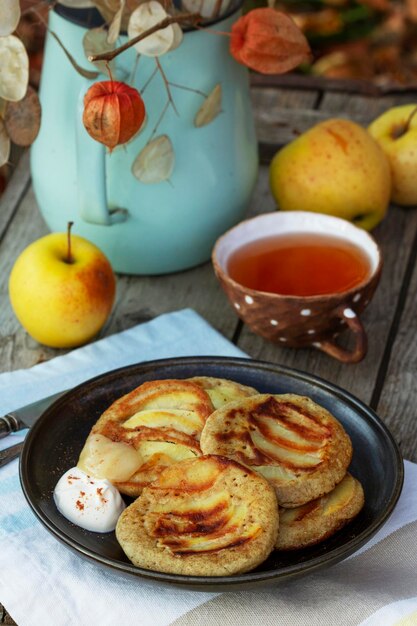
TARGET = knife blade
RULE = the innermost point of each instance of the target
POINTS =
(26, 416)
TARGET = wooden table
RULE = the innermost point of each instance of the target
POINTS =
(385, 379)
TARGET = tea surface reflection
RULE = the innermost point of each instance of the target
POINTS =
(299, 264)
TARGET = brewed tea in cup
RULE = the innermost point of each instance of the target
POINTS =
(300, 278)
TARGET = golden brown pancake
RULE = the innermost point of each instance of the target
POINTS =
(292, 441)
(153, 426)
(222, 391)
(207, 516)
(319, 519)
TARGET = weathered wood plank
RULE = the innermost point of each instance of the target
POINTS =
(280, 115)
(361, 109)
(14, 192)
(276, 124)
(5, 618)
(398, 401)
(280, 121)
(395, 237)
(141, 299)
(17, 349)
(330, 85)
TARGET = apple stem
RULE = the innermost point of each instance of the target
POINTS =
(410, 119)
(69, 258)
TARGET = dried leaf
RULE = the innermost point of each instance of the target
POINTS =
(143, 18)
(95, 42)
(109, 8)
(114, 28)
(210, 108)
(4, 144)
(78, 68)
(178, 36)
(76, 4)
(14, 68)
(155, 162)
(23, 119)
(9, 16)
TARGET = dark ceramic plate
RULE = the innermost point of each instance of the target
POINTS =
(55, 441)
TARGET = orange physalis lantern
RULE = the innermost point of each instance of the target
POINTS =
(268, 41)
(113, 112)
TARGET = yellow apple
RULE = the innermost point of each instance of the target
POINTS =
(396, 132)
(337, 168)
(62, 295)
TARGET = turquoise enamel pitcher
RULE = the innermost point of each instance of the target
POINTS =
(147, 228)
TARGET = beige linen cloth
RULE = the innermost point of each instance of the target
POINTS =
(43, 583)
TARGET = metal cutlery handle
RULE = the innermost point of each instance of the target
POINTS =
(9, 454)
(9, 424)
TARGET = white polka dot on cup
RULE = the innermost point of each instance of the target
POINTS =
(305, 312)
(248, 299)
(348, 313)
(236, 305)
(273, 322)
(357, 297)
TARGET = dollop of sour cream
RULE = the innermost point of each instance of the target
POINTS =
(92, 503)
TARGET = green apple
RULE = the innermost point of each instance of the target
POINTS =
(62, 290)
(337, 168)
(396, 132)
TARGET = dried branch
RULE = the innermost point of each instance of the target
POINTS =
(160, 118)
(191, 18)
(166, 83)
(134, 70)
(78, 68)
(151, 77)
(197, 91)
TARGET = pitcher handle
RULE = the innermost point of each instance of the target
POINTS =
(91, 174)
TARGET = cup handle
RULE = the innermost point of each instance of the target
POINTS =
(361, 342)
(91, 174)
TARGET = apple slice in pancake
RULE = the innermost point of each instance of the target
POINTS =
(160, 422)
(221, 390)
(319, 519)
(205, 516)
(295, 443)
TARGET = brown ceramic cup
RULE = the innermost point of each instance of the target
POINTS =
(299, 321)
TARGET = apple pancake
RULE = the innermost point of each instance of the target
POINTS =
(292, 441)
(221, 390)
(319, 519)
(207, 516)
(156, 424)
(148, 429)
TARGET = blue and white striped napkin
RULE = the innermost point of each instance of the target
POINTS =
(43, 583)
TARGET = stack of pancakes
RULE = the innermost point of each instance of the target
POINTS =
(221, 473)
